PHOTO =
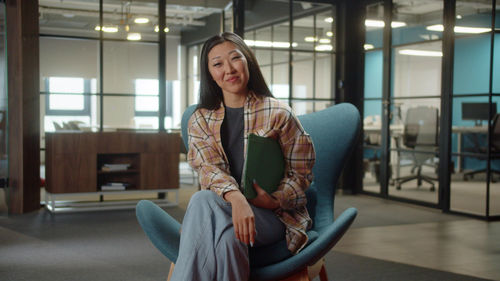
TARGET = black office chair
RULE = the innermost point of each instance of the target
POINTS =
(420, 138)
(479, 148)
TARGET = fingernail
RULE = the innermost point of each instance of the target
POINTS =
(254, 181)
(251, 244)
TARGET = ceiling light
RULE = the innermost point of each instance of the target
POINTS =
(459, 17)
(329, 34)
(269, 44)
(368, 46)
(421, 53)
(379, 23)
(134, 36)
(311, 39)
(109, 29)
(141, 20)
(459, 29)
(324, 41)
(324, 48)
(329, 19)
(165, 30)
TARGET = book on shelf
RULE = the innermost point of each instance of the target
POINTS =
(115, 167)
(114, 186)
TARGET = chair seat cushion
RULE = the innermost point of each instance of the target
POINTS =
(261, 256)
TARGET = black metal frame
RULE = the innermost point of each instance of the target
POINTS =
(445, 154)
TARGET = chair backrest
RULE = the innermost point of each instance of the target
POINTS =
(184, 123)
(495, 140)
(334, 131)
(421, 127)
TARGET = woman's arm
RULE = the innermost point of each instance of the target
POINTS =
(204, 156)
(206, 159)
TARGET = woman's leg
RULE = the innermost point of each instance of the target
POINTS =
(208, 248)
(268, 226)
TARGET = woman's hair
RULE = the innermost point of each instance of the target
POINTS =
(210, 92)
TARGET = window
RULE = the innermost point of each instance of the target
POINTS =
(147, 103)
(68, 96)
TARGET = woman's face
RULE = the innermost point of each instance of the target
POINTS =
(228, 67)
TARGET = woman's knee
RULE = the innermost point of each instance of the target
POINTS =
(203, 198)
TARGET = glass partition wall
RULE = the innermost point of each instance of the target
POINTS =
(409, 59)
(296, 51)
(476, 89)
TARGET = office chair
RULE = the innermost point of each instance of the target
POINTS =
(420, 136)
(483, 149)
(338, 125)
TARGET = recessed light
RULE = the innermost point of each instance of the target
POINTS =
(134, 36)
(141, 20)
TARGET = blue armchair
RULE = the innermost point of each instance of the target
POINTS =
(334, 131)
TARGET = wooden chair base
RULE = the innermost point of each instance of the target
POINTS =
(306, 274)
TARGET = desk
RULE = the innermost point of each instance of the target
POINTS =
(460, 130)
(397, 131)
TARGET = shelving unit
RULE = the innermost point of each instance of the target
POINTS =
(74, 168)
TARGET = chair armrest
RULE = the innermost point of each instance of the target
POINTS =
(160, 227)
(328, 237)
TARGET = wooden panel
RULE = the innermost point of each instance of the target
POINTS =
(24, 105)
(70, 172)
(159, 170)
(71, 142)
(117, 142)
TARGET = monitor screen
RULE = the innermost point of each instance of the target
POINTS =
(477, 110)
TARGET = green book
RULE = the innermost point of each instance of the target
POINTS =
(265, 163)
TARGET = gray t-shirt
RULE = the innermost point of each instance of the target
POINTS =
(232, 134)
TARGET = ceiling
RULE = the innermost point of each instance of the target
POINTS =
(80, 17)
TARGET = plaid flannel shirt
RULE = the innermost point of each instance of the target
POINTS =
(264, 116)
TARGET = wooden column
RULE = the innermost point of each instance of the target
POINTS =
(24, 105)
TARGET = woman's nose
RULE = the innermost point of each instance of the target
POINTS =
(229, 68)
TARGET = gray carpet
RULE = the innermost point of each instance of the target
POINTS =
(110, 245)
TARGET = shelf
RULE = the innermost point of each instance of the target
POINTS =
(133, 171)
(54, 203)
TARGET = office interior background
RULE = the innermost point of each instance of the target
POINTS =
(428, 95)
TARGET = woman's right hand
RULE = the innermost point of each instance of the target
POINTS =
(243, 217)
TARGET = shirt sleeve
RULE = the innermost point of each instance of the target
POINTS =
(206, 159)
(299, 154)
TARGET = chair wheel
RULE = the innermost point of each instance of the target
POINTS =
(432, 188)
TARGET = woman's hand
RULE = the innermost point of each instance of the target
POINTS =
(263, 199)
(243, 217)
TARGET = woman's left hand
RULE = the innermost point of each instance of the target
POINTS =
(263, 199)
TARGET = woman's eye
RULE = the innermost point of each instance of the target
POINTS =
(217, 64)
(236, 57)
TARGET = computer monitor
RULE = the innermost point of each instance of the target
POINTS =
(477, 111)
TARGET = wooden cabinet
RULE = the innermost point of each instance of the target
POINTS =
(74, 161)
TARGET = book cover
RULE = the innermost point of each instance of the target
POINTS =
(265, 163)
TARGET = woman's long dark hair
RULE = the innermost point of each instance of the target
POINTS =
(210, 93)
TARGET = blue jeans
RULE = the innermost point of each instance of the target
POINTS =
(209, 249)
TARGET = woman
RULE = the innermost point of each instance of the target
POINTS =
(220, 222)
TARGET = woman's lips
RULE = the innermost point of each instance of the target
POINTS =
(232, 79)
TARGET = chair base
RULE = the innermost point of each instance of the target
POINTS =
(470, 175)
(419, 177)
